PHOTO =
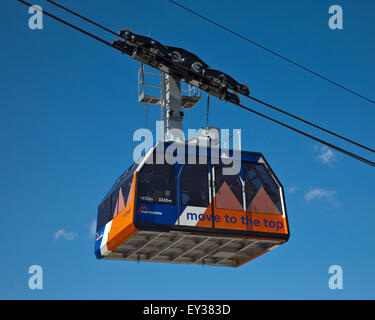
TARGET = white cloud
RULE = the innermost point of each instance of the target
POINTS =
(65, 235)
(326, 155)
(92, 229)
(321, 193)
(292, 189)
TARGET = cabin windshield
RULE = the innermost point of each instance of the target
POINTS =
(117, 198)
(156, 183)
(262, 192)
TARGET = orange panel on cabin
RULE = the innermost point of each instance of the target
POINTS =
(122, 224)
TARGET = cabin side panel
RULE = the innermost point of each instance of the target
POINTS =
(121, 226)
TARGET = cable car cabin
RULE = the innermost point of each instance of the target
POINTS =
(199, 210)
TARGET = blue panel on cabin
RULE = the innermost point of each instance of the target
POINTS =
(156, 213)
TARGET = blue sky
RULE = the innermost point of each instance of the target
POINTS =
(69, 110)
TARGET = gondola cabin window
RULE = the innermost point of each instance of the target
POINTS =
(157, 184)
(262, 192)
(194, 185)
(228, 190)
(117, 198)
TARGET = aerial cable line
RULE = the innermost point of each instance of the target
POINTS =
(68, 24)
(272, 52)
(357, 157)
(310, 123)
(82, 17)
(309, 136)
(250, 97)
